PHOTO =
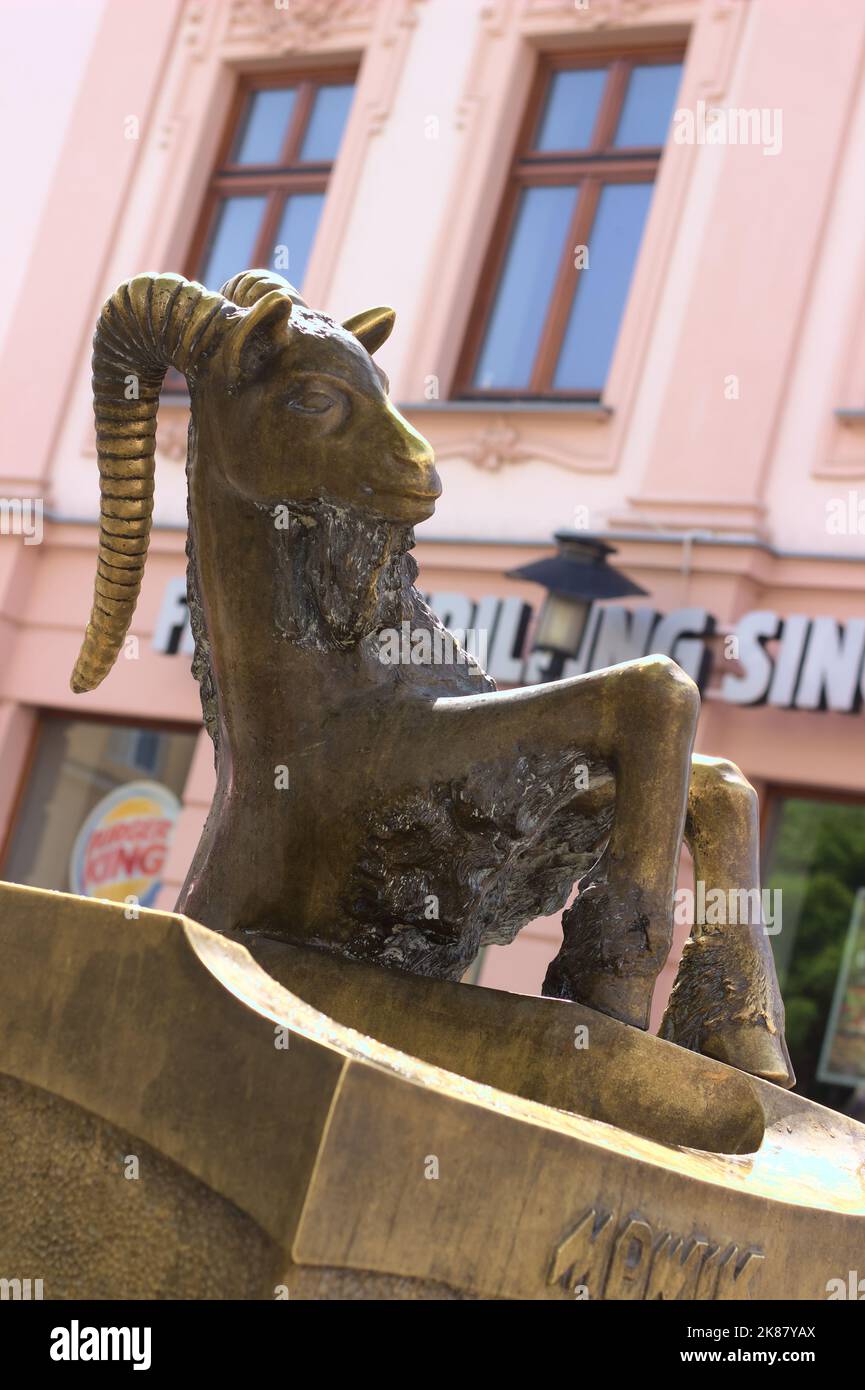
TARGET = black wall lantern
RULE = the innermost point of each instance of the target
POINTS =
(575, 578)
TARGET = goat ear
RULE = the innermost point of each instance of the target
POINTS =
(373, 327)
(251, 339)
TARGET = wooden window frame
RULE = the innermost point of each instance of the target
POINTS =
(590, 169)
(289, 175)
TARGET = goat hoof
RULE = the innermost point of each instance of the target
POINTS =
(725, 1004)
(627, 1000)
(752, 1048)
(609, 959)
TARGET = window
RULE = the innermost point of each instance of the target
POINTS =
(815, 871)
(91, 820)
(266, 196)
(554, 288)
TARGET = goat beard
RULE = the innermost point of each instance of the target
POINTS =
(345, 574)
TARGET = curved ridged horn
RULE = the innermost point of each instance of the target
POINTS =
(149, 324)
(251, 285)
(372, 327)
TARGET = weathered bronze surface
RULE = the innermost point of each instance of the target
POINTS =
(387, 810)
(280, 1151)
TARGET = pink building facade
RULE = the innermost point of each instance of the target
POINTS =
(722, 452)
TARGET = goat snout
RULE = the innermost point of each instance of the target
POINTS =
(420, 480)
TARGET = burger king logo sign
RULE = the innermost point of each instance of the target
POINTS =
(120, 850)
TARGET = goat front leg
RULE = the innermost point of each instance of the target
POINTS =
(726, 1002)
(618, 933)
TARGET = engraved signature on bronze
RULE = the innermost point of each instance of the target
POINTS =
(634, 1261)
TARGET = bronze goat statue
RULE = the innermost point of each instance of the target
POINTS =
(397, 813)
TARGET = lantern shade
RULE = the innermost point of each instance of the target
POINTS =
(575, 578)
(579, 570)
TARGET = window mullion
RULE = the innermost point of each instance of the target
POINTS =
(297, 125)
(567, 280)
(611, 104)
(267, 232)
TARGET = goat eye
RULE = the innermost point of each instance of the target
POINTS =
(311, 402)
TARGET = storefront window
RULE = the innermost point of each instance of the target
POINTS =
(816, 858)
(99, 809)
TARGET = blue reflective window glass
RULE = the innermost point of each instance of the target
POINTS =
(326, 123)
(593, 323)
(262, 134)
(648, 108)
(233, 241)
(525, 286)
(297, 228)
(571, 109)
